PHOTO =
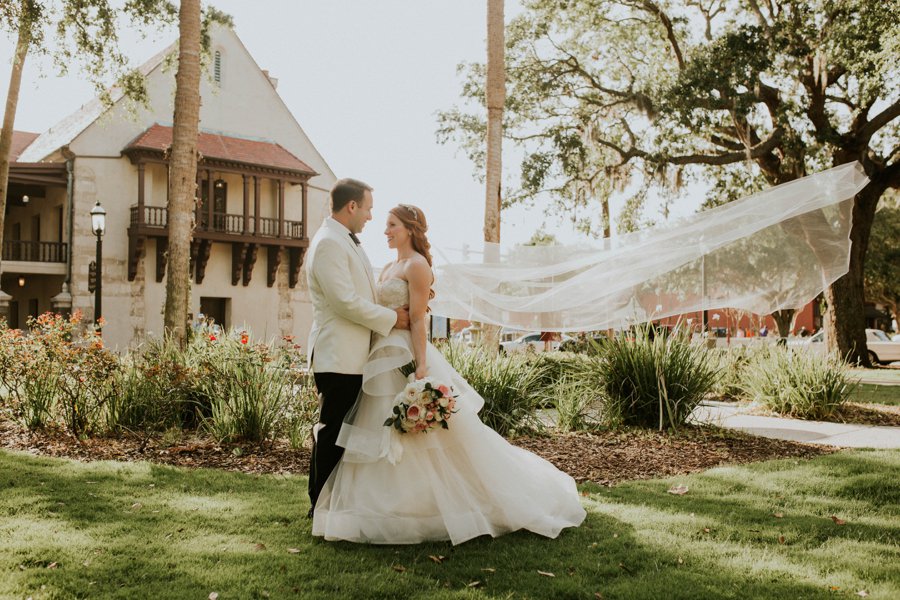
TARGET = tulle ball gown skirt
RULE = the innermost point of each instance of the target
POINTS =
(454, 484)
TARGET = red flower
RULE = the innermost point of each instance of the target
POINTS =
(244, 338)
(212, 337)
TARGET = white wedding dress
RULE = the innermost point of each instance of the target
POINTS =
(453, 484)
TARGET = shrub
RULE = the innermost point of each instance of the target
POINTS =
(653, 381)
(251, 387)
(731, 365)
(797, 383)
(302, 413)
(27, 376)
(578, 403)
(60, 369)
(509, 384)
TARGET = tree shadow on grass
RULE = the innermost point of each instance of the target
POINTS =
(199, 531)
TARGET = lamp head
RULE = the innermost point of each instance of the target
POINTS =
(98, 219)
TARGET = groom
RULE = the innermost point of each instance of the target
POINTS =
(345, 313)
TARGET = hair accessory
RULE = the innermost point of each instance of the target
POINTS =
(412, 210)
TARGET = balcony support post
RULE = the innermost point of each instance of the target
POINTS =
(246, 227)
(305, 187)
(141, 219)
(210, 204)
(280, 193)
(256, 199)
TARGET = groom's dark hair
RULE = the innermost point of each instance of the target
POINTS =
(347, 190)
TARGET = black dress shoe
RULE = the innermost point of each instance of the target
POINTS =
(309, 515)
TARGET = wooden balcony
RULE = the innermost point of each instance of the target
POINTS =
(245, 233)
(41, 252)
(36, 258)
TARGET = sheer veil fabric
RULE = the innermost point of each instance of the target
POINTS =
(776, 249)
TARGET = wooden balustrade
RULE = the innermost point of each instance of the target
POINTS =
(44, 252)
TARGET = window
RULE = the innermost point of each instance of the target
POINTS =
(217, 68)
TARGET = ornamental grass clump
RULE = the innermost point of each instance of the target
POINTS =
(731, 365)
(509, 384)
(578, 403)
(653, 380)
(253, 389)
(797, 383)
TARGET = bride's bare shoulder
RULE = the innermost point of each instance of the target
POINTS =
(416, 267)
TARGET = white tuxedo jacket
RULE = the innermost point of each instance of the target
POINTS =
(345, 312)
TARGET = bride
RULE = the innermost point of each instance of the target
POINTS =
(447, 484)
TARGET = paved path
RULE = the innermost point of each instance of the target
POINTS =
(731, 416)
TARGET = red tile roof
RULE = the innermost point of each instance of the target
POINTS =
(223, 147)
(20, 141)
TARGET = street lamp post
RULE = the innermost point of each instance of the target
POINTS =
(98, 226)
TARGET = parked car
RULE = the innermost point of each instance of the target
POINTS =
(881, 349)
(530, 340)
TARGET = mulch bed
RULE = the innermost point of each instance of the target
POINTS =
(606, 457)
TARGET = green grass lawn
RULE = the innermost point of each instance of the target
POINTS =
(137, 530)
(881, 374)
(877, 394)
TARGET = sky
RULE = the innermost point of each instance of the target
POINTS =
(364, 79)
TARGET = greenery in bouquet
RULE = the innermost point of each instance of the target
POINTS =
(423, 405)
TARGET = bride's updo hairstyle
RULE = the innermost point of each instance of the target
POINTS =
(413, 219)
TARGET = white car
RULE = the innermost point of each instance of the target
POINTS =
(530, 340)
(881, 349)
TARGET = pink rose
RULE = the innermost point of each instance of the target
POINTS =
(413, 412)
(451, 403)
(429, 416)
(444, 390)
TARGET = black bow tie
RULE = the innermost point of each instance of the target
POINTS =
(354, 238)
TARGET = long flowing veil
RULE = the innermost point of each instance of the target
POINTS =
(773, 250)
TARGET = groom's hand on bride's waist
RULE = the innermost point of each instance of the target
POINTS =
(402, 317)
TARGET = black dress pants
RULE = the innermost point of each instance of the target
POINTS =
(337, 394)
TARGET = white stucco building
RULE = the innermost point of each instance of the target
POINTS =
(262, 189)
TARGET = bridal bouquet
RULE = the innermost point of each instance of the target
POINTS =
(423, 405)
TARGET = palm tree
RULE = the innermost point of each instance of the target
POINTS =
(183, 170)
(12, 101)
(495, 92)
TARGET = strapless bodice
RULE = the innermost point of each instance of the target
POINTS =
(393, 293)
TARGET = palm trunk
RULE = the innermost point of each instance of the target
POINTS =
(495, 92)
(9, 116)
(183, 170)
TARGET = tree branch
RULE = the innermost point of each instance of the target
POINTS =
(728, 158)
(762, 19)
(880, 120)
(654, 9)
